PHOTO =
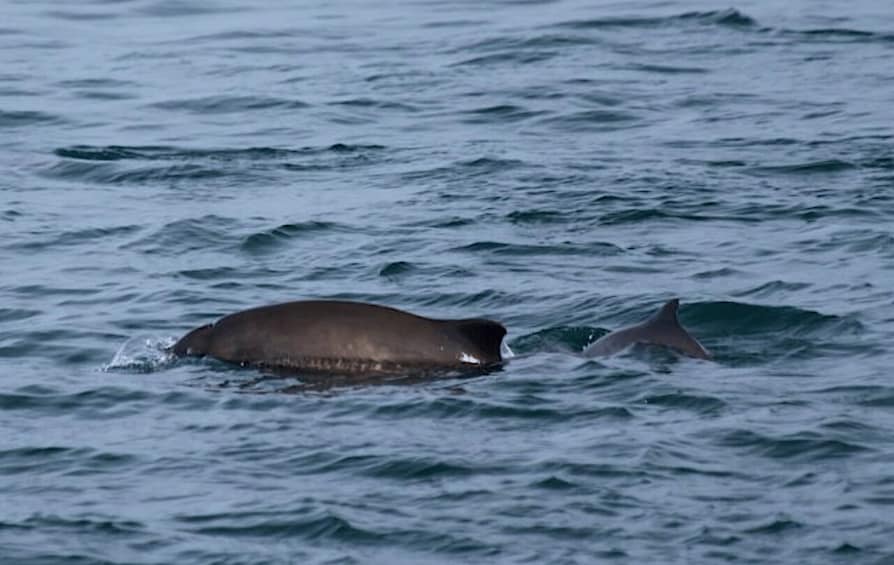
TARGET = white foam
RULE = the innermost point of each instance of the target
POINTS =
(141, 354)
(505, 351)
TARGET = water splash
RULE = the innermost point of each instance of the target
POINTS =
(142, 354)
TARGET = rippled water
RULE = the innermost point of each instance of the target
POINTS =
(562, 167)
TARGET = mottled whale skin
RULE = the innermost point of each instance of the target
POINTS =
(663, 329)
(341, 337)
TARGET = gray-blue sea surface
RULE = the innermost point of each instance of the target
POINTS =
(563, 167)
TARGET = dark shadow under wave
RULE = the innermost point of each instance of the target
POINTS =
(731, 19)
(748, 334)
(229, 104)
(268, 240)
(726, 18)
(126, 165)
(170, 153)
(804, 446)
(204, 233)
(753, 319)
(26, 118)
(597, 248)
(837, 35)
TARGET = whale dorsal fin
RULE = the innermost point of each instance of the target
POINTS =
(668, 313)
(664, 328)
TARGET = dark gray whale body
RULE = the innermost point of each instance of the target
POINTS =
(340, 337)
(661, 329)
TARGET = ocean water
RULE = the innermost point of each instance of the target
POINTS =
(563, 167)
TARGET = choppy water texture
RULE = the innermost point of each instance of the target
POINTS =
(563, 167)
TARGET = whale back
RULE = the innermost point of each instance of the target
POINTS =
(345, 337)
(195, 343)
(663, 329)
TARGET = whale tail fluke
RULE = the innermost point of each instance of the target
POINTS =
(195, 343)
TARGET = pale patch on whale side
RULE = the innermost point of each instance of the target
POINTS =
(471, 359)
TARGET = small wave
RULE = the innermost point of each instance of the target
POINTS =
(470, 168)
(96, 524)
(323, 525)
(774, 287)
(803, 446)
(751, 319)
(746, 333)
(490, 165)
(525, 57)
(107, 173)
(95, 83)
(666, 69)
(734, 20)
(853, 241)
(26, 118)
(640, 215)
(178, 9)
(869, 396)
(396, 269)
(595, 120)
(224, 274)
(110, 152)
(168, 153)
(64, 460)
(597, 248)
(728, 17)
(76, 237)
(17, 314)
(80, 16)
(837, 35)
(717, 273)
(376, 104)
(271, 239)
(500, 113)
(104, 95)
(420, 468)
(811, 167)
(537, 217)
(11, 215)
(702, 404)
(754, 213)
(724, 18)
(534, 408)
(203, 233)
(229, 104)
(327, 527)
(777, 526)
(554, 483)
(117, 164)
(549, 40)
